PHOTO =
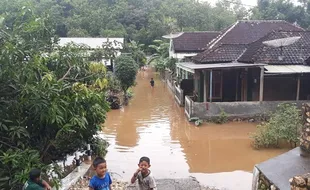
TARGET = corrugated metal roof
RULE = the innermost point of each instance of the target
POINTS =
(93, 43)
(287, 69)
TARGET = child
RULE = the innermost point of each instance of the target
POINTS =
(144, 176)
(35, 182)
(152, 82)
(102, 180)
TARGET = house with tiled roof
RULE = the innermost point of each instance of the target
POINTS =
(189, 44)
(243, 66)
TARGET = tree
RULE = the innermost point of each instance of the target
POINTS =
(285, 10)
(136, 51)
(51, 102)
(139, 20)
(285, 124)
(126, 70)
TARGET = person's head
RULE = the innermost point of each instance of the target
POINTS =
(144, 163)
(100, 166)
(151, 78)
(35, 175)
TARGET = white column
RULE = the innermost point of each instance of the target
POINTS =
(186, 74)
(261, 87)
(205, 95)
(298, 88)
(211, 86)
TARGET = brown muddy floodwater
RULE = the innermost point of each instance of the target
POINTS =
(154, 125)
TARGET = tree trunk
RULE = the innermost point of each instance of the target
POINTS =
(125, 98)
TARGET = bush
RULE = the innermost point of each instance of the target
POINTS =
(222, 118)
(99, 146)
(16, 165)
(285, 124)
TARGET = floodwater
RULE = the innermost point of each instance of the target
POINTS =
(154, 125)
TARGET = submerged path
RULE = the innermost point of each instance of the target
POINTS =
(154, 125)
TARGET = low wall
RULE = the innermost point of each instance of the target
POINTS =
(179, 95)
(170, 85)
(237, 109)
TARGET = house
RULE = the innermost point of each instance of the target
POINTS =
(189, 44)
(239, 74)
(96, 43)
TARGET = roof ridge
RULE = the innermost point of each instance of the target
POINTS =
(212, 44)
(261, 21)
(202, 32)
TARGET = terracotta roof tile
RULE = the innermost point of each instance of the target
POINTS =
(193, 41)
(295, 54)
(223, 53)
(244, 33)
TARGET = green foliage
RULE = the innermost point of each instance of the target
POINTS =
(171, 64)
(222, 118)
(136, 51)
(285, 10)
(114, 84)
(285, 124)
(161, 57)
(96, 55)
(51, 102)
(16, 164)
(126, 70)
(139, 20)
(130, 93)
(99, 146)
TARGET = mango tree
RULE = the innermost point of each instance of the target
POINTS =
(52, 102)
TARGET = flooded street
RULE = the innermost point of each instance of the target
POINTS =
(154, 125)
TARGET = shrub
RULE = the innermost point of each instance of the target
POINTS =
(222, 118)
(99, 146)
(285, 124)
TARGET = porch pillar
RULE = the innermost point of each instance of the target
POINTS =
(205, 95)
(186, 74)
(298, 88)
(211, 86)
(261, 87)
(196, 82)
(237, 84)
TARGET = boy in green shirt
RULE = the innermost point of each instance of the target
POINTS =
(35, 182)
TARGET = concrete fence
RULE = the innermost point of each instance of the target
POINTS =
(208, 110)
(188, 106)
(179, 95)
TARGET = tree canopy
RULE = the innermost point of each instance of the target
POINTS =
(126, 70)
(139, 20)
(285, 10)
(52, 99)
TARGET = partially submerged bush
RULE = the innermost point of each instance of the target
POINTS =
(285, 124)
(222, 118)
(99, 146)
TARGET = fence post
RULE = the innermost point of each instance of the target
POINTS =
(88, 152)
(77, 161)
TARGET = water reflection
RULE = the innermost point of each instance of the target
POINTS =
(155, 126)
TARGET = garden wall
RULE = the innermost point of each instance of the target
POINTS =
(236, 109)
